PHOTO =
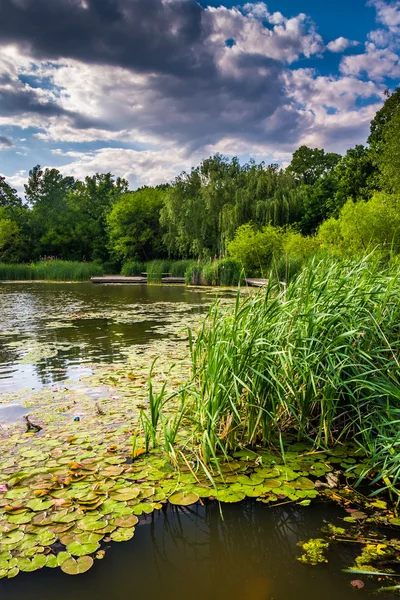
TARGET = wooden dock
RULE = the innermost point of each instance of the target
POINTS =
(121, 279)
(142, 280)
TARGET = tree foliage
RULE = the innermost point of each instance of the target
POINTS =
(250, 211)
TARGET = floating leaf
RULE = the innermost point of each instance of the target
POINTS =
(125, 494)
(126, 521)
(123, 534)
(11, 538)
(77, 549)
(77, 566)
(183, 498)
(38, 562)
(91, 525)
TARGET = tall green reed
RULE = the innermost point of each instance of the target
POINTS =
(314, 362)
(51, 270)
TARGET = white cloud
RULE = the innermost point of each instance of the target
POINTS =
(341, 44)
(377, 63)
(148, 167)
(388, 13)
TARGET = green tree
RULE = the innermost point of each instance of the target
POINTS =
(389, 158)
(376, 139)
(309, 164)
(364, 226)
(8, 195)
(91, 201)
(355, 176)
(134, 225)
(51, 216)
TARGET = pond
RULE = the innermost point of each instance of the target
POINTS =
(62, 346)
(50, 332)
(193, 553)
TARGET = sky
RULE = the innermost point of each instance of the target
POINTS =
(147, 88)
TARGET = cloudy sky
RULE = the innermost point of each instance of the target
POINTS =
(146, 88)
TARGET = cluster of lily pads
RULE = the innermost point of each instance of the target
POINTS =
(64, 496)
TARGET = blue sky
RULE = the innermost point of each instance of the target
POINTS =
(147, 88)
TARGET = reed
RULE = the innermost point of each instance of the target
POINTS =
(133, 268)
(224, 272)
(316, 362)
(52, 270)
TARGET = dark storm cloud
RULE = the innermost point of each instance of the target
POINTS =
(5, 142)
(138, 34)
(203, 110)
(17, 101)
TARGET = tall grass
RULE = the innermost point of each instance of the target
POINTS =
(316, 362)
(133, 268)
(225, 272)
(174, 268)
(52, 270)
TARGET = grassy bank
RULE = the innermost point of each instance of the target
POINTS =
(54, 270)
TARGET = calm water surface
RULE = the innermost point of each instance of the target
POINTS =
(193, 554)
(50, 332)
(53, 332)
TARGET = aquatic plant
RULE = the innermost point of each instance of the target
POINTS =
(317, 362)
(314, 551)
(224, 272)
(50, 270)
(133, 268)
(156, 269)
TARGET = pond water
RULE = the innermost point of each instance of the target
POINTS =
(51, 335)
(51, 332)
(193, 553)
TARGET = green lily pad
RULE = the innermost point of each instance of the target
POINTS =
(38, 562)
(271, 484)
(125, 494)
(39, 505)
(87, 537)
(229, 495)
(20, 519)
(51, 561)
(123, 534)
(183, 498)
(126, 521)
(91, 525)
(62, 557)
(77, 549)
(77, 566)
(11, 538)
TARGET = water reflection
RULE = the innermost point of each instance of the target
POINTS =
(193, 553)
(49, 332)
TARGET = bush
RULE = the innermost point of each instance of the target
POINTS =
(255, 250)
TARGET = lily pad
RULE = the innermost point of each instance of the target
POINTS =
(183, 498)
(123, 534)
(77, 549)
(126, 521)
(77, 566)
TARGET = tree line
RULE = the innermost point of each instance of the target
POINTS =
(344, 202)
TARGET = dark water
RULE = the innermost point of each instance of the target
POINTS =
(81, 323)
(193, 554)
